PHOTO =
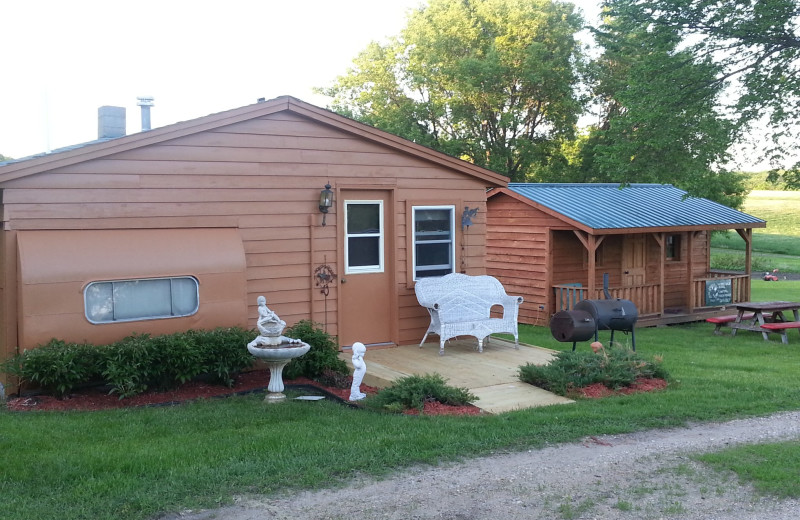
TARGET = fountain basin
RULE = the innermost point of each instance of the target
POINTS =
(277, 357)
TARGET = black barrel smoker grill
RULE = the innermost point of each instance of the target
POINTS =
(590, 316)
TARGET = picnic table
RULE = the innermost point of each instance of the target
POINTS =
(757, 314)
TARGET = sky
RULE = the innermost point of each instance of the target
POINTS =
(62, 60)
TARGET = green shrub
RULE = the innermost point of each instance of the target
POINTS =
(324, 352)
(136, 363)
(139, 362)
(224, 352)
(56, 367)
(128, 365)
(334, 379)
(614, 367)
(413, 391)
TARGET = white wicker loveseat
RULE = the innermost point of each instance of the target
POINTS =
(460, 305)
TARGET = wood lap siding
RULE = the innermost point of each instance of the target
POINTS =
(262, 176)
(516, 253)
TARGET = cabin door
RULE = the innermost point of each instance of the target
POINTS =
(365, 290)
(634, 260)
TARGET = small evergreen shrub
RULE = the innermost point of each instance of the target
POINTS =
(224, 352)
(413, 391)
(136, 363)
(614, 367)
(128, 365)
(323, 355)
(57, 367)
(334, 379)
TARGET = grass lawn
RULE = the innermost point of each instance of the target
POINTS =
(136, 463)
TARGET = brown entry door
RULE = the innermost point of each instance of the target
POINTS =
(365, 286)
(634, 262)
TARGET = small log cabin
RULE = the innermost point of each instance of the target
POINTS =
(553, 243)
(182, 227)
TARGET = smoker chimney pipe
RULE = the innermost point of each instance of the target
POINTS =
(145, 102)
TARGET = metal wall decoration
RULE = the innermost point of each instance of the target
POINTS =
(466, 217)
(325, 277)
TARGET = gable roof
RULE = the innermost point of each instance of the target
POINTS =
(104, 147)
(595, 207)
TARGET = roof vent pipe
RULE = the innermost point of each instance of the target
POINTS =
(110, 122)
(145, 102)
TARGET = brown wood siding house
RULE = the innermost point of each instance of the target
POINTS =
(229, 202)
(553, 244)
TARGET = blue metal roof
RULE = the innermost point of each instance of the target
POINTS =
(612, 206)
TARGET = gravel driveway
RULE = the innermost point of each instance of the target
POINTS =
(635, 476)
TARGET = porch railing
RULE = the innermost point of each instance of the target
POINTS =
(646, 297)
(715, 290)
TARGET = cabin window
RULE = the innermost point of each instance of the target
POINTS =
(363, 244)
(146, 299)
(434, 240)
(673, 247)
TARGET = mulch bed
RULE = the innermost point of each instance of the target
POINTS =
(599, 390)
(94, 398)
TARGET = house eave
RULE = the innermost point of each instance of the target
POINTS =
(99, 150)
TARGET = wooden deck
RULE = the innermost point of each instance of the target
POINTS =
(491, 375)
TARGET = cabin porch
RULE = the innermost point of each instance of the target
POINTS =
(709, 295)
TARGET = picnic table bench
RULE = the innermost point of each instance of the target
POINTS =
(754, 316)
(461, 305)
(781, 328)
(721, 321)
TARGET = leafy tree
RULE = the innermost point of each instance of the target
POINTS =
(659, 114)
(789, 179)
(490, 81)
(4, 158)
(755, 45)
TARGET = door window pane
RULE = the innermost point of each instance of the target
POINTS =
(363, 218)
(364, 236)
(363, 251)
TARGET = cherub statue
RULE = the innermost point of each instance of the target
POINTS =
(360, 368)
(268, 321)
(270, 327)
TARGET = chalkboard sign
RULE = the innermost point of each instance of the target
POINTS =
(718, 292)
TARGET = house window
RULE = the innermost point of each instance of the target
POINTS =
(434, 240)
(673, 247)
(363, 244)
(147, 299)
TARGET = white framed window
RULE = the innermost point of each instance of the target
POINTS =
(146, 299)
(434, 240)
(363, 240)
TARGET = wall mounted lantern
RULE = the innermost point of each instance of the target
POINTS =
(325, 201)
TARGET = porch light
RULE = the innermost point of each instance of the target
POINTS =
(325, 201)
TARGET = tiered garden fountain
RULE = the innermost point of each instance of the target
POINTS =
(276, 350)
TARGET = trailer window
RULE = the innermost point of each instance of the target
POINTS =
(146, 299)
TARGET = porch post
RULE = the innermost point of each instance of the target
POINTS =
(747, 236)
(661, 240)
(591, 243)
(690, 271)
